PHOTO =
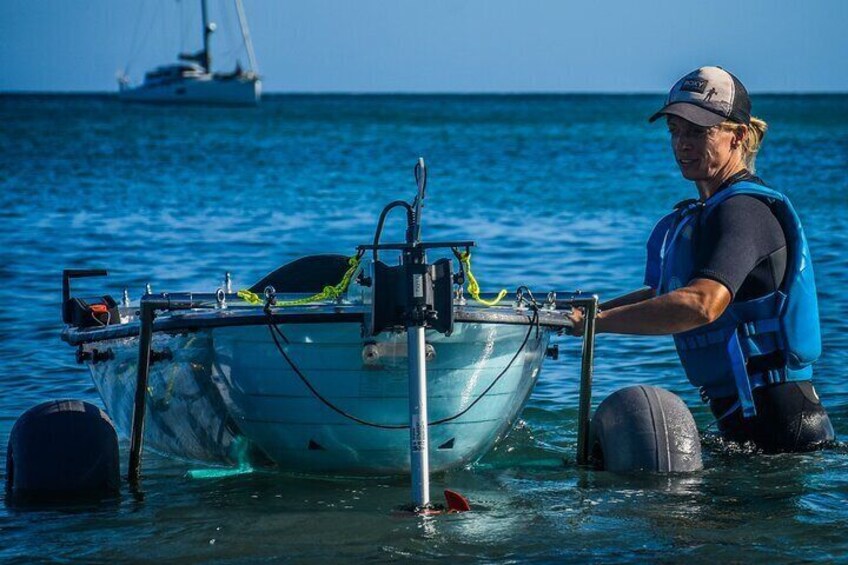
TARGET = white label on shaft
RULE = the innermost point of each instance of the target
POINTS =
(417, 434)
(418, 286)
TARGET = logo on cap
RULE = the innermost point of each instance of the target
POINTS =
(694, 85)
(707, 95)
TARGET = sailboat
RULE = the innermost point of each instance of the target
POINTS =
(192, 81)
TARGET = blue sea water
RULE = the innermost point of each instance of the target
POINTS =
(560, 192)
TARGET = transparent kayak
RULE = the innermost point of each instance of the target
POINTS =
(324, 396)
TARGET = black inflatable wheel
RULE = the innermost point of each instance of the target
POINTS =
(645, 428)
(62, 449)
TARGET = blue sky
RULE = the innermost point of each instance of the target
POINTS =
(436, 45)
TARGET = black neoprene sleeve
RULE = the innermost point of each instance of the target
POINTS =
(735, 244)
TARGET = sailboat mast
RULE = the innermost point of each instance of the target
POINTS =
(207, 31)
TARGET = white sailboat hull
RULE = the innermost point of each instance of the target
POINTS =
(206, 89)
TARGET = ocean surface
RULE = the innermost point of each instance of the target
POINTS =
(560, 192)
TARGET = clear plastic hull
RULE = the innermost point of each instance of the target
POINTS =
(227, 382)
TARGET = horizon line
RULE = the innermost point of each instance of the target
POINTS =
(24, 92)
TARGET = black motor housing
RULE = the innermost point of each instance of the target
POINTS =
(62, 450)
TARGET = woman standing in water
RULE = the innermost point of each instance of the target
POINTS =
(729, 275)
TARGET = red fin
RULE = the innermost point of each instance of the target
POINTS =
(456, 502)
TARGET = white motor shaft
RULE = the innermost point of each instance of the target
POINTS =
(418, 436)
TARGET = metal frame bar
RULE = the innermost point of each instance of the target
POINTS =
(586, 373)
(247, 316)
(149, 304)
(148, 313)
(420, 245)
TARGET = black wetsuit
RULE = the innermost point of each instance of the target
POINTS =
(742, 246)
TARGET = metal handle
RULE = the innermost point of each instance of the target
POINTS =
(69, 274)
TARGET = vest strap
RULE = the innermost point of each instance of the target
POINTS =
(744, 386)
(704, 339)
(713, 337)
(759, 327)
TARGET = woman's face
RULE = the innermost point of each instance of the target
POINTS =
(703, 154)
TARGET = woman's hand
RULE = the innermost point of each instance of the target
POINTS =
(578, 318)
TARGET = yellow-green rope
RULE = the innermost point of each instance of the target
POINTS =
(329, 292)
(473, 287)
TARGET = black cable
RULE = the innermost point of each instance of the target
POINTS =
(382, 220)
(274, 330)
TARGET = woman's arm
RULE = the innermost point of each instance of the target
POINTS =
(700, 302)
(639, 295)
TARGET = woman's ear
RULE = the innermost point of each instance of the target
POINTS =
(739, 135)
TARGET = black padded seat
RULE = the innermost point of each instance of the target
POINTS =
(308, 274)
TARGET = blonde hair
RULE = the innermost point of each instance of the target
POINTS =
(752, 141)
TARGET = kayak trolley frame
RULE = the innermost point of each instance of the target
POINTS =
(413, 297)
(151, 305)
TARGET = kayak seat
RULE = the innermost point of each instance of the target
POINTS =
(308, 274)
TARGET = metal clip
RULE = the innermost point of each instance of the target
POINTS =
(270, 298)
(221, 298)
(521, 300)
(459, 296)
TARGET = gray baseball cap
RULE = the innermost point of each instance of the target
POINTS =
(707, 97)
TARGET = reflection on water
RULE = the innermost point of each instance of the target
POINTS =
(559, 192)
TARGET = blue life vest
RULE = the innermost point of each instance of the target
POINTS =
(715, 356)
